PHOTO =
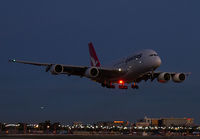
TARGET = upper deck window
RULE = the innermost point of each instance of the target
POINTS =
(136, 57)
(153, 55)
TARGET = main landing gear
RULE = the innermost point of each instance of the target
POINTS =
(110, 85)
(134, 86)
(121, 86)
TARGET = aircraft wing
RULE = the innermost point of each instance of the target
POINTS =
(67, 69)
(104, 73)
(30, 63)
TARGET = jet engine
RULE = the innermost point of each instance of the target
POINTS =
(164, 77)
(178, 77)
(92, 72)
(56, 69)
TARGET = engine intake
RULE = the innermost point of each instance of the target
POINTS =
(92, 72)
(56, 69)
(179, 77)
(164, 77)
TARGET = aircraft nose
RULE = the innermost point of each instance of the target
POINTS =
(158, 62)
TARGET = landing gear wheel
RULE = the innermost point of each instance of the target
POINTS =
(134, 86)
(108, 85)
(103, 85)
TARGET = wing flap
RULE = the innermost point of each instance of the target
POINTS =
(74, 70)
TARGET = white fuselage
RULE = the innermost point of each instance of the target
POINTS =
(138, 64)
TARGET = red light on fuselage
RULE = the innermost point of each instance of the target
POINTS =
(121, 82)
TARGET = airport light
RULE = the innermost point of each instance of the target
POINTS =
(36, 126)
(10, 125)
(125, 128)
(140, 127)
(135, 127)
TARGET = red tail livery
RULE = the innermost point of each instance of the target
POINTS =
(93, 56)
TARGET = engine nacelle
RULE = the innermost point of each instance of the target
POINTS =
(92, 72)
(178, 77)
(164, 77)
(56, 69)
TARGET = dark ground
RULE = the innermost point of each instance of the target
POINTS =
(93, 137)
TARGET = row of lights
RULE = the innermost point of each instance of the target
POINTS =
(107, 127)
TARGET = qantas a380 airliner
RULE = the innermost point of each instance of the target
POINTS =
(132, 69)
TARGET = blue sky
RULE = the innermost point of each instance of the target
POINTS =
(59, 31)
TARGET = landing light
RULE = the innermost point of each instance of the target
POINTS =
(120, 69)
(121, 82)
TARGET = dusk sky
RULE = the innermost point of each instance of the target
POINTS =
(59, 32)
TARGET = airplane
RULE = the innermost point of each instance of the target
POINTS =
(132, 69)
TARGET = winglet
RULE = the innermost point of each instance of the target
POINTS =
(93, 56)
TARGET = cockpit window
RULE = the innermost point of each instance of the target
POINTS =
(153, 55)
